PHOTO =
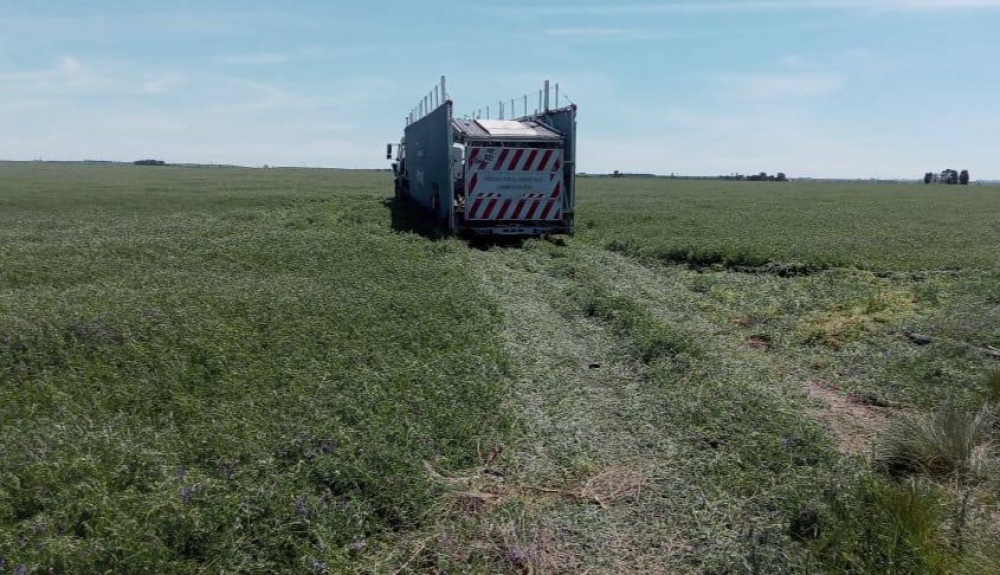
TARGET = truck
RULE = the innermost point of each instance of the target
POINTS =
(505, 176)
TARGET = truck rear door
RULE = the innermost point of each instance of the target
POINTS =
(513, 184)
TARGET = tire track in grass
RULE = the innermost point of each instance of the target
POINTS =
(851, 422)
(708, 449)
(590, 427)
(652, 438)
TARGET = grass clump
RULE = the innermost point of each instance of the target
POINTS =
(991, 386)
(948, 443)
(875, 525)
(646, 336)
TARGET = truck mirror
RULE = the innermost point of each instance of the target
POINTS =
(388, 151)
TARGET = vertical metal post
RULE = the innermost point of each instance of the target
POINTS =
(557, 96)
(546, 108)
(501, 111)
(437, 96)
(444, 93)
(513, 111)
(525, 104)
(487, 112)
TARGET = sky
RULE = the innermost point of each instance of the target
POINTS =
(820, 88)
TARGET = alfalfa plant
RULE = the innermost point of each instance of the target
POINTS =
(950, 443)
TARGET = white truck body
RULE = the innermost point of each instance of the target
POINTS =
(512, 177)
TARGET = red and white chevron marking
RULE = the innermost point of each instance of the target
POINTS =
(514, 184)
(514, 160)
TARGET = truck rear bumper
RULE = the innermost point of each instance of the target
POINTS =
(515, 230)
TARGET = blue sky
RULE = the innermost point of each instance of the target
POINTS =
(828, 88)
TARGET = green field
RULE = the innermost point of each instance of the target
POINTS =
(868, 226)
(223, 370)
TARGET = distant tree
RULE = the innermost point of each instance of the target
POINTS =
(928, 177)
(782, 177)
(963, 178)
(616, 174)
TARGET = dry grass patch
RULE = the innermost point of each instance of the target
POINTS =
(487, 486)
(614, 484)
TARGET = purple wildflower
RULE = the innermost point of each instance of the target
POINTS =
(186, 494)
(327, 447)
(300, 505)
(533, 554)
(180, 474)
(359, 544)
(522, 557)
(516, 556)
(22, 569)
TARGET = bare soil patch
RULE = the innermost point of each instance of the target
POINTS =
(853, 419)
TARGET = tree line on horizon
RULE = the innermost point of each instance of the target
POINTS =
(948, 176)
(761, 177)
